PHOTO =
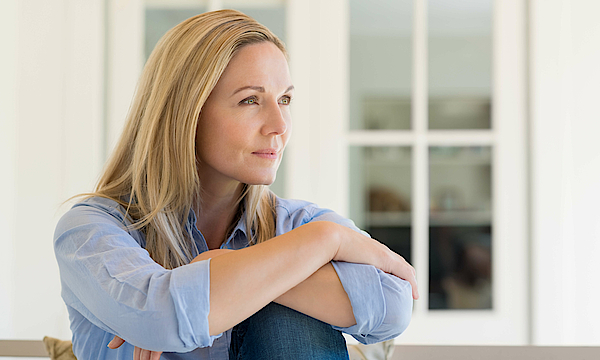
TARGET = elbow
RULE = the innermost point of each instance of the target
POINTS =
(169, 339)
(399, 307)
(398, 320)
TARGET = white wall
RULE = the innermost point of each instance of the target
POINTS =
(565, 154)
(50, 146)
(51, 93)
(8, 116)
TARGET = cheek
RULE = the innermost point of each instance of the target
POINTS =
(207, 140)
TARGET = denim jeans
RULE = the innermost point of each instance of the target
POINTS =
(278, 332)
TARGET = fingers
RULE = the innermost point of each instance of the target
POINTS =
(142, 354)
(115, 342)
(138, 354)
(365, 250)
(145, 354)
(408, 273)
(413, 283)
(411, 277)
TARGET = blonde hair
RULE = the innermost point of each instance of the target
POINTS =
(153, 170)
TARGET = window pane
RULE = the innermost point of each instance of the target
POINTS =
(380, 194)
(460, 64)
(460, 257)
(380, 64)
(159, 20)
(272, 16)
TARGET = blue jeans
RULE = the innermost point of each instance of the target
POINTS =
(278, 332)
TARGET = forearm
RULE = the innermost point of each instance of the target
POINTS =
(244, 281)
(321, 296)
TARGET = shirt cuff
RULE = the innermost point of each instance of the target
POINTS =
(363, 286)
(192, 310)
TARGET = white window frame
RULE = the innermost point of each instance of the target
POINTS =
(319, 166)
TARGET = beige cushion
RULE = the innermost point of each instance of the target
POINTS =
(59, 349)
(379, 351)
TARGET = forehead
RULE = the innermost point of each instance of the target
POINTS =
(261, 64)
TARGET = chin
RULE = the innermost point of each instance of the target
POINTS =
(267, 180)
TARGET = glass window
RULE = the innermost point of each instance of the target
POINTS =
(159, 20)
(380, 188)
(460, 64)
(380, 64)
(460, 228)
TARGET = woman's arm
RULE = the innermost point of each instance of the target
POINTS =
(321, 296)
(244, 281)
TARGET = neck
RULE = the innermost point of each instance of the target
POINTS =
(217, 210)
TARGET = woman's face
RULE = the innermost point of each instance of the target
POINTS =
(245, 124)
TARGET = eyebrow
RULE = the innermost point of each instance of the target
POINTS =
(258, 88)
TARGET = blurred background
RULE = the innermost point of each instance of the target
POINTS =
(461, 133)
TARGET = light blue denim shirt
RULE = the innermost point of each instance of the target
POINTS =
(111, 286)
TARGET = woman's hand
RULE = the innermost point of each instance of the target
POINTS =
(358, 248)
(138, 354)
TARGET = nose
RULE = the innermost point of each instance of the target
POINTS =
(275, 121)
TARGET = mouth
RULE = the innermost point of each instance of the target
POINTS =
(267, 154)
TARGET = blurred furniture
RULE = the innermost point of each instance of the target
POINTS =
(22, 348)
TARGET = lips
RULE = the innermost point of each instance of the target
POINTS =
(266, 153)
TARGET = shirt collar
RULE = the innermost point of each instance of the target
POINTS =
(234, 241)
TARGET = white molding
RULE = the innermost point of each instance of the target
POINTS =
(84, 88)
(509, 171)
(420, 157)
(9, 37)
(301, 29)
(316, 158)
(331, 180)
(411, 138)
(215, 5)
(125, 57)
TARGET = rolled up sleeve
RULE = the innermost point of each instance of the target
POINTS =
(381, 303)
(113, 282)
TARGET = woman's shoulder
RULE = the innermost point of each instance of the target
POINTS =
(297, 208)
(292, 213)
(100, 203)
(93, 209)
(95, 215)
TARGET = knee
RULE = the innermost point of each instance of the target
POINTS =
(277, 329)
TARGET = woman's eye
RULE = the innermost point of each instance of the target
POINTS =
(285, 100)
(250, 101)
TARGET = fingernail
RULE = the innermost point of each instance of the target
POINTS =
(111, 343)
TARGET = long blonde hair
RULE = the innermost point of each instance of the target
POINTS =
(153, 170)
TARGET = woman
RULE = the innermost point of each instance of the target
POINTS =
(159, 254)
